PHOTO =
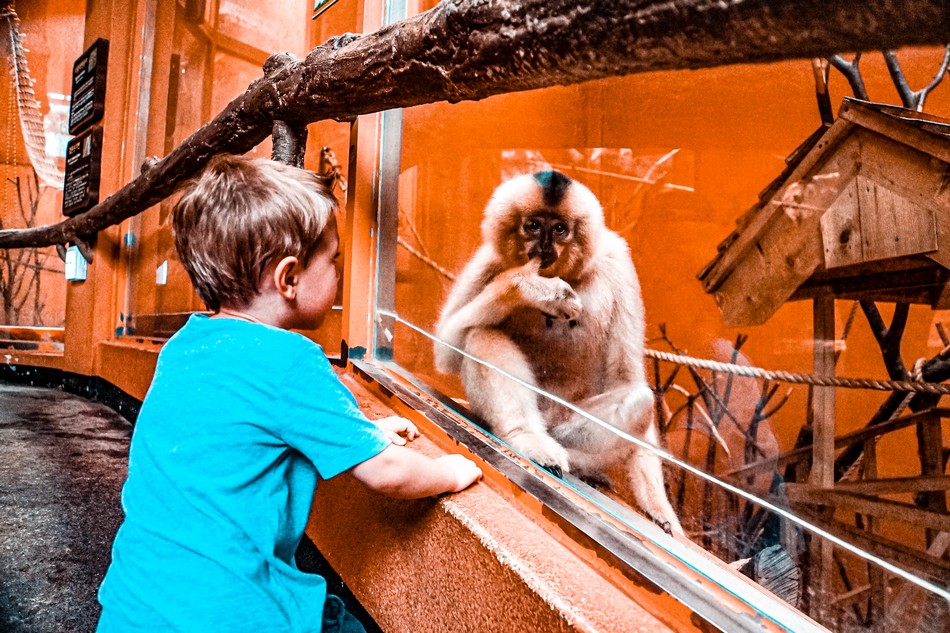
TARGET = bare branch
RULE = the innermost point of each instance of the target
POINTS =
(908, 98)
(468, 50)
(889, 338)
(852, 73)
(938, 77)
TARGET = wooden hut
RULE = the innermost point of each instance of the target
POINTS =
(862, 211)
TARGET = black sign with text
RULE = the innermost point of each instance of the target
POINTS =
(83, 162)
(88, 100)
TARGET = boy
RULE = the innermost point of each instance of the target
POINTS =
(243, 416)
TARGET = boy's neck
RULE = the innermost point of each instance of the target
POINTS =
(266, 308)
(236, 314)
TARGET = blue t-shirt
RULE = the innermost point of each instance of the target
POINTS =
(239, 422)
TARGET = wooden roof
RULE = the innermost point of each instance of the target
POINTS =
(862, 210)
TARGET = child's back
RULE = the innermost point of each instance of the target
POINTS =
(215, 485)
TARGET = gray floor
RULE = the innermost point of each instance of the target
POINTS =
(62, 464)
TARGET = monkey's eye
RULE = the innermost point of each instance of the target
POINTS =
(560, 228)
(532, 226)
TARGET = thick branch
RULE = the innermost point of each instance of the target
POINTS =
(911, 99)
(468, 50)
(889, 338)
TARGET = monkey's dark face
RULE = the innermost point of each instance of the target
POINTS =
(545, 235)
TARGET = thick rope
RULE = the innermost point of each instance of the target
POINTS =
(31, 118)
(808, 379)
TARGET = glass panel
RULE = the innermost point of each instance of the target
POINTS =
(855, 536)
(208, 69)
(32, 285)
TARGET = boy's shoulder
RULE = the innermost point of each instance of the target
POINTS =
(228, 334)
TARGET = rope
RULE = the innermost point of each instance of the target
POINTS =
(808, 379)
(31, 119)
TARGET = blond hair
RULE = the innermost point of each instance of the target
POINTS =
(242, 214)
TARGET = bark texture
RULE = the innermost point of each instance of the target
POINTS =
(472, 49)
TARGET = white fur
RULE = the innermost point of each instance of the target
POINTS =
(496, 312)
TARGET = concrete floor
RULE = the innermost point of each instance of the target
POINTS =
(62, 463)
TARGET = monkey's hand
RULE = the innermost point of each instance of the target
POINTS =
(550, 295)
(543, 450)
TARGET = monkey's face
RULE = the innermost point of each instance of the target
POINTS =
(545, 217)
(544, 236)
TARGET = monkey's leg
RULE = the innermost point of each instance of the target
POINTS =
(646, 477)
(510, 409)
(593, 448)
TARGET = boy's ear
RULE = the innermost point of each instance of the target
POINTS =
(285, 277)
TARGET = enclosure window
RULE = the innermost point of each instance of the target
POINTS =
(41, 44)
(855, 537)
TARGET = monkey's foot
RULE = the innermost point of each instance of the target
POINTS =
(596, 481)
(670, 525)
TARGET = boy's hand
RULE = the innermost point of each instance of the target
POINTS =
(397, 429)
(465, 471)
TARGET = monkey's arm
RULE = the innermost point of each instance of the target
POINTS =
(481, 299)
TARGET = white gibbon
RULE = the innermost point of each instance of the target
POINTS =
(552, 297)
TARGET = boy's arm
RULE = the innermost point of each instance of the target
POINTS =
(405, 474)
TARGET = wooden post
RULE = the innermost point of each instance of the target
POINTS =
(930, 449)
(876, 577)
(823, 448)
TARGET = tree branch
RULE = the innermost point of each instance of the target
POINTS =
(852, 73)
(889, 338)
(468, 50)
(908, 98)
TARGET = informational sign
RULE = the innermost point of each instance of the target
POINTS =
(83, 161)
(88, 100)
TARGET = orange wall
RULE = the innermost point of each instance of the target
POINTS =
(731, 128)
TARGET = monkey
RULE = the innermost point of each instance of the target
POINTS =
(552, 297)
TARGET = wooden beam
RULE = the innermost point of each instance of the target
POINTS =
(921, 564)
(895, 485)
(855, 437)
(864, 504)
(923, 285)
(822, 475)
(468, 50)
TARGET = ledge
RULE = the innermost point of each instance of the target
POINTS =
(51, 360)
(128, 364)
